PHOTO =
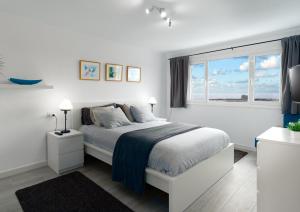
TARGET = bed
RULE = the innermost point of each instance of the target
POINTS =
(184, 174)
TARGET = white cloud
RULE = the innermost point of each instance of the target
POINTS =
(230, 85)
(213, 82)
(271, 62)
(266, 75)
(244, 66)
(218, 72)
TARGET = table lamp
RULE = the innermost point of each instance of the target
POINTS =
(152, 101)
(65, 106)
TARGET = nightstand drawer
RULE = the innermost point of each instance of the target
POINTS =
(71, 144)
(71, 160)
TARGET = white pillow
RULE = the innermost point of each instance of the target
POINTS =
(112, 118)
(99, 110)
(142, 114)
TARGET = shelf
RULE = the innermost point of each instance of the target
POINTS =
(16, 86)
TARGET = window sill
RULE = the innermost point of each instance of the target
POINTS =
(275, 106)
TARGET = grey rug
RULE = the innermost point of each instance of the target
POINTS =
(238, 155)
(68, 193)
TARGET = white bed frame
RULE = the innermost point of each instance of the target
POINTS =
(185, 188)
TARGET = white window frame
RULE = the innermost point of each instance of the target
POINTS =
(251, 71)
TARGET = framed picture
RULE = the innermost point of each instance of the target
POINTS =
(133, 74)
(89, 70)
(113, 72)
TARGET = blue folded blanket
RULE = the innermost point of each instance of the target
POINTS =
(132, 150)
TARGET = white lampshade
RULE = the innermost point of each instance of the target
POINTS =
(152, 100)
(66, 105)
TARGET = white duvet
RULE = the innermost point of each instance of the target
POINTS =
(171, 156)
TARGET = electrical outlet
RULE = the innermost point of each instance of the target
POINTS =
(50, 115)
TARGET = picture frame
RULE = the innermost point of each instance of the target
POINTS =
(113, 72)
(134, 74)
(89, 70)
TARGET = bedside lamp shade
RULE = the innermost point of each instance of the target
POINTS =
(152, 101)
(66, 105)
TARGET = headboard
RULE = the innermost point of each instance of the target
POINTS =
(76, 112)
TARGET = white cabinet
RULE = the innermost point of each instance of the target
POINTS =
(278, 171)
(65, 152)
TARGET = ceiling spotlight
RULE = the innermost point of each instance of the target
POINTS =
(170, 23)
(163, 14)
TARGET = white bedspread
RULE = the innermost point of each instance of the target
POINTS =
(171, 156)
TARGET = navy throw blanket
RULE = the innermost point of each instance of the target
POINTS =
(132, 151)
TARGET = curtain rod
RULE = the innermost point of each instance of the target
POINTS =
(234, 47)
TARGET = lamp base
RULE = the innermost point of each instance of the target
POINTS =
(152, 105)
(65, 131)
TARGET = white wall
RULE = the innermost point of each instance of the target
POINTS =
(34, 50)
(242, 123)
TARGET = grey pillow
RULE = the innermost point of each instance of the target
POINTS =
(87, 116)
(97, 110)
(141, 114)
(113, 118)
(126, 109)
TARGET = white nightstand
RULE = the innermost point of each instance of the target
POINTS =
(65, 152)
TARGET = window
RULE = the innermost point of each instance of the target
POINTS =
(197, 82)
(228, 79)
(267, 78)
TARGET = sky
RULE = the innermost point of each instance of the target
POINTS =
(267, 76)
(228, 78)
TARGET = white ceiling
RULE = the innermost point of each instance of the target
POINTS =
(196, 22)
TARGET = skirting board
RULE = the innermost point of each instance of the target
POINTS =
(21, 169)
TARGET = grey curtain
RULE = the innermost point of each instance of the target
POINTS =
(290, 57)
(179, 68)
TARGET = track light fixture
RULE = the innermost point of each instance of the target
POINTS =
(162, 12)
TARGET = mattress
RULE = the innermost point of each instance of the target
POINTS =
(171, 156)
